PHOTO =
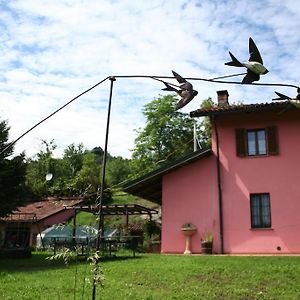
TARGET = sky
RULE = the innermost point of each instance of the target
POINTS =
(53, 50)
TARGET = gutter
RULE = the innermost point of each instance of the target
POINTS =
(220, 194)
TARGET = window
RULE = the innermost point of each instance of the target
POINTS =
(256, 142)
(260, 211)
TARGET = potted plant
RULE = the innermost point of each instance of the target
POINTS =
(207, 243)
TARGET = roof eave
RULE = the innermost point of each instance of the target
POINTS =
(144, 185)
(168, 167)
(239, 109)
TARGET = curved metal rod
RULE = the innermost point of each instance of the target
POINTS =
(165, 82)
(158, 78)
(206, 80)
(227, 76)
(49, 116)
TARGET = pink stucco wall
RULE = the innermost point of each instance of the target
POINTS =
(189, 197)
(190, 193)
(278, 175)
(59, 217)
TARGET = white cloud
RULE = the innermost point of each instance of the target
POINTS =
(53, 50)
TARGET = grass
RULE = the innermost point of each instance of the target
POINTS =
(155, 277)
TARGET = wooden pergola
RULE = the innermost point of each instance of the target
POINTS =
(116, 210)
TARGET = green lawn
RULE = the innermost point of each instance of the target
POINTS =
(155, 277)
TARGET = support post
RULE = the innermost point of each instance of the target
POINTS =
(74, 229)
(99, 204)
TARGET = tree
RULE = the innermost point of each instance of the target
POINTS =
(118, 170)
(168, 135)
(73, 157)
(205, 126)
(38, 168)
(77, 173)
(88, 180)
(12, 175)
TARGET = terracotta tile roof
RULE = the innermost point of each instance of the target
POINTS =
(216, 110)
(41, 209)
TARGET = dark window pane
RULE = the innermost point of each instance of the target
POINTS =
(260, 210)
(251, 143)
(261, 136)
(265, 210)
(255, 211)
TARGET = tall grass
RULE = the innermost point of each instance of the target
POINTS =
(154, 277)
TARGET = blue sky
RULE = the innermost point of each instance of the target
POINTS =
(53, 50)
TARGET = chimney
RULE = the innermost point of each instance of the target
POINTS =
(223, 98)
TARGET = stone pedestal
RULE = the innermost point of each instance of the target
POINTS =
(188, 230)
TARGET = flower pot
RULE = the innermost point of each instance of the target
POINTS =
(206, 247)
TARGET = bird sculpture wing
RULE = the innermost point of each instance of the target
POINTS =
(186, 91)
(282, 97)
(250, 77)
(254, 52)
(169, 88)
(185, 85)
(179, 78)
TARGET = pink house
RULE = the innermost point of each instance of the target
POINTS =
(245, 190)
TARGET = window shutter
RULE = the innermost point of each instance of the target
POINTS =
(240, 142)
(272, 140)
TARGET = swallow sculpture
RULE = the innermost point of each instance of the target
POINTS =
(254, 65)
(186, 91)
(285, 97)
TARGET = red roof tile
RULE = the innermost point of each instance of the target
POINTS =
(215, 110)
(41, 209)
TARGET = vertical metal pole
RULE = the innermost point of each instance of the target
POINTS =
(39, 229)
(195, 137)
(98, 242)
(74, 229)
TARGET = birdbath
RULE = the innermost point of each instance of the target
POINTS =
(188, 229)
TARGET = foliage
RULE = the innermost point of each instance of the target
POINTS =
(167, 135)
(66, 255)
(73, 157)
(118, 170)
(136, 229)
(155, 277)
(37, 169)
(87, 179)
(77, 173)
(97, 273)
(85, 218)
(12, 175)
(208, 236)
(152, 228)
(205, 126)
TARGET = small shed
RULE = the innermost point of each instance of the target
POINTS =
(22, 226)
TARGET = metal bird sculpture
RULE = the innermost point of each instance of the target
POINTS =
(285, 97)
(254, 65)
(186, 91)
